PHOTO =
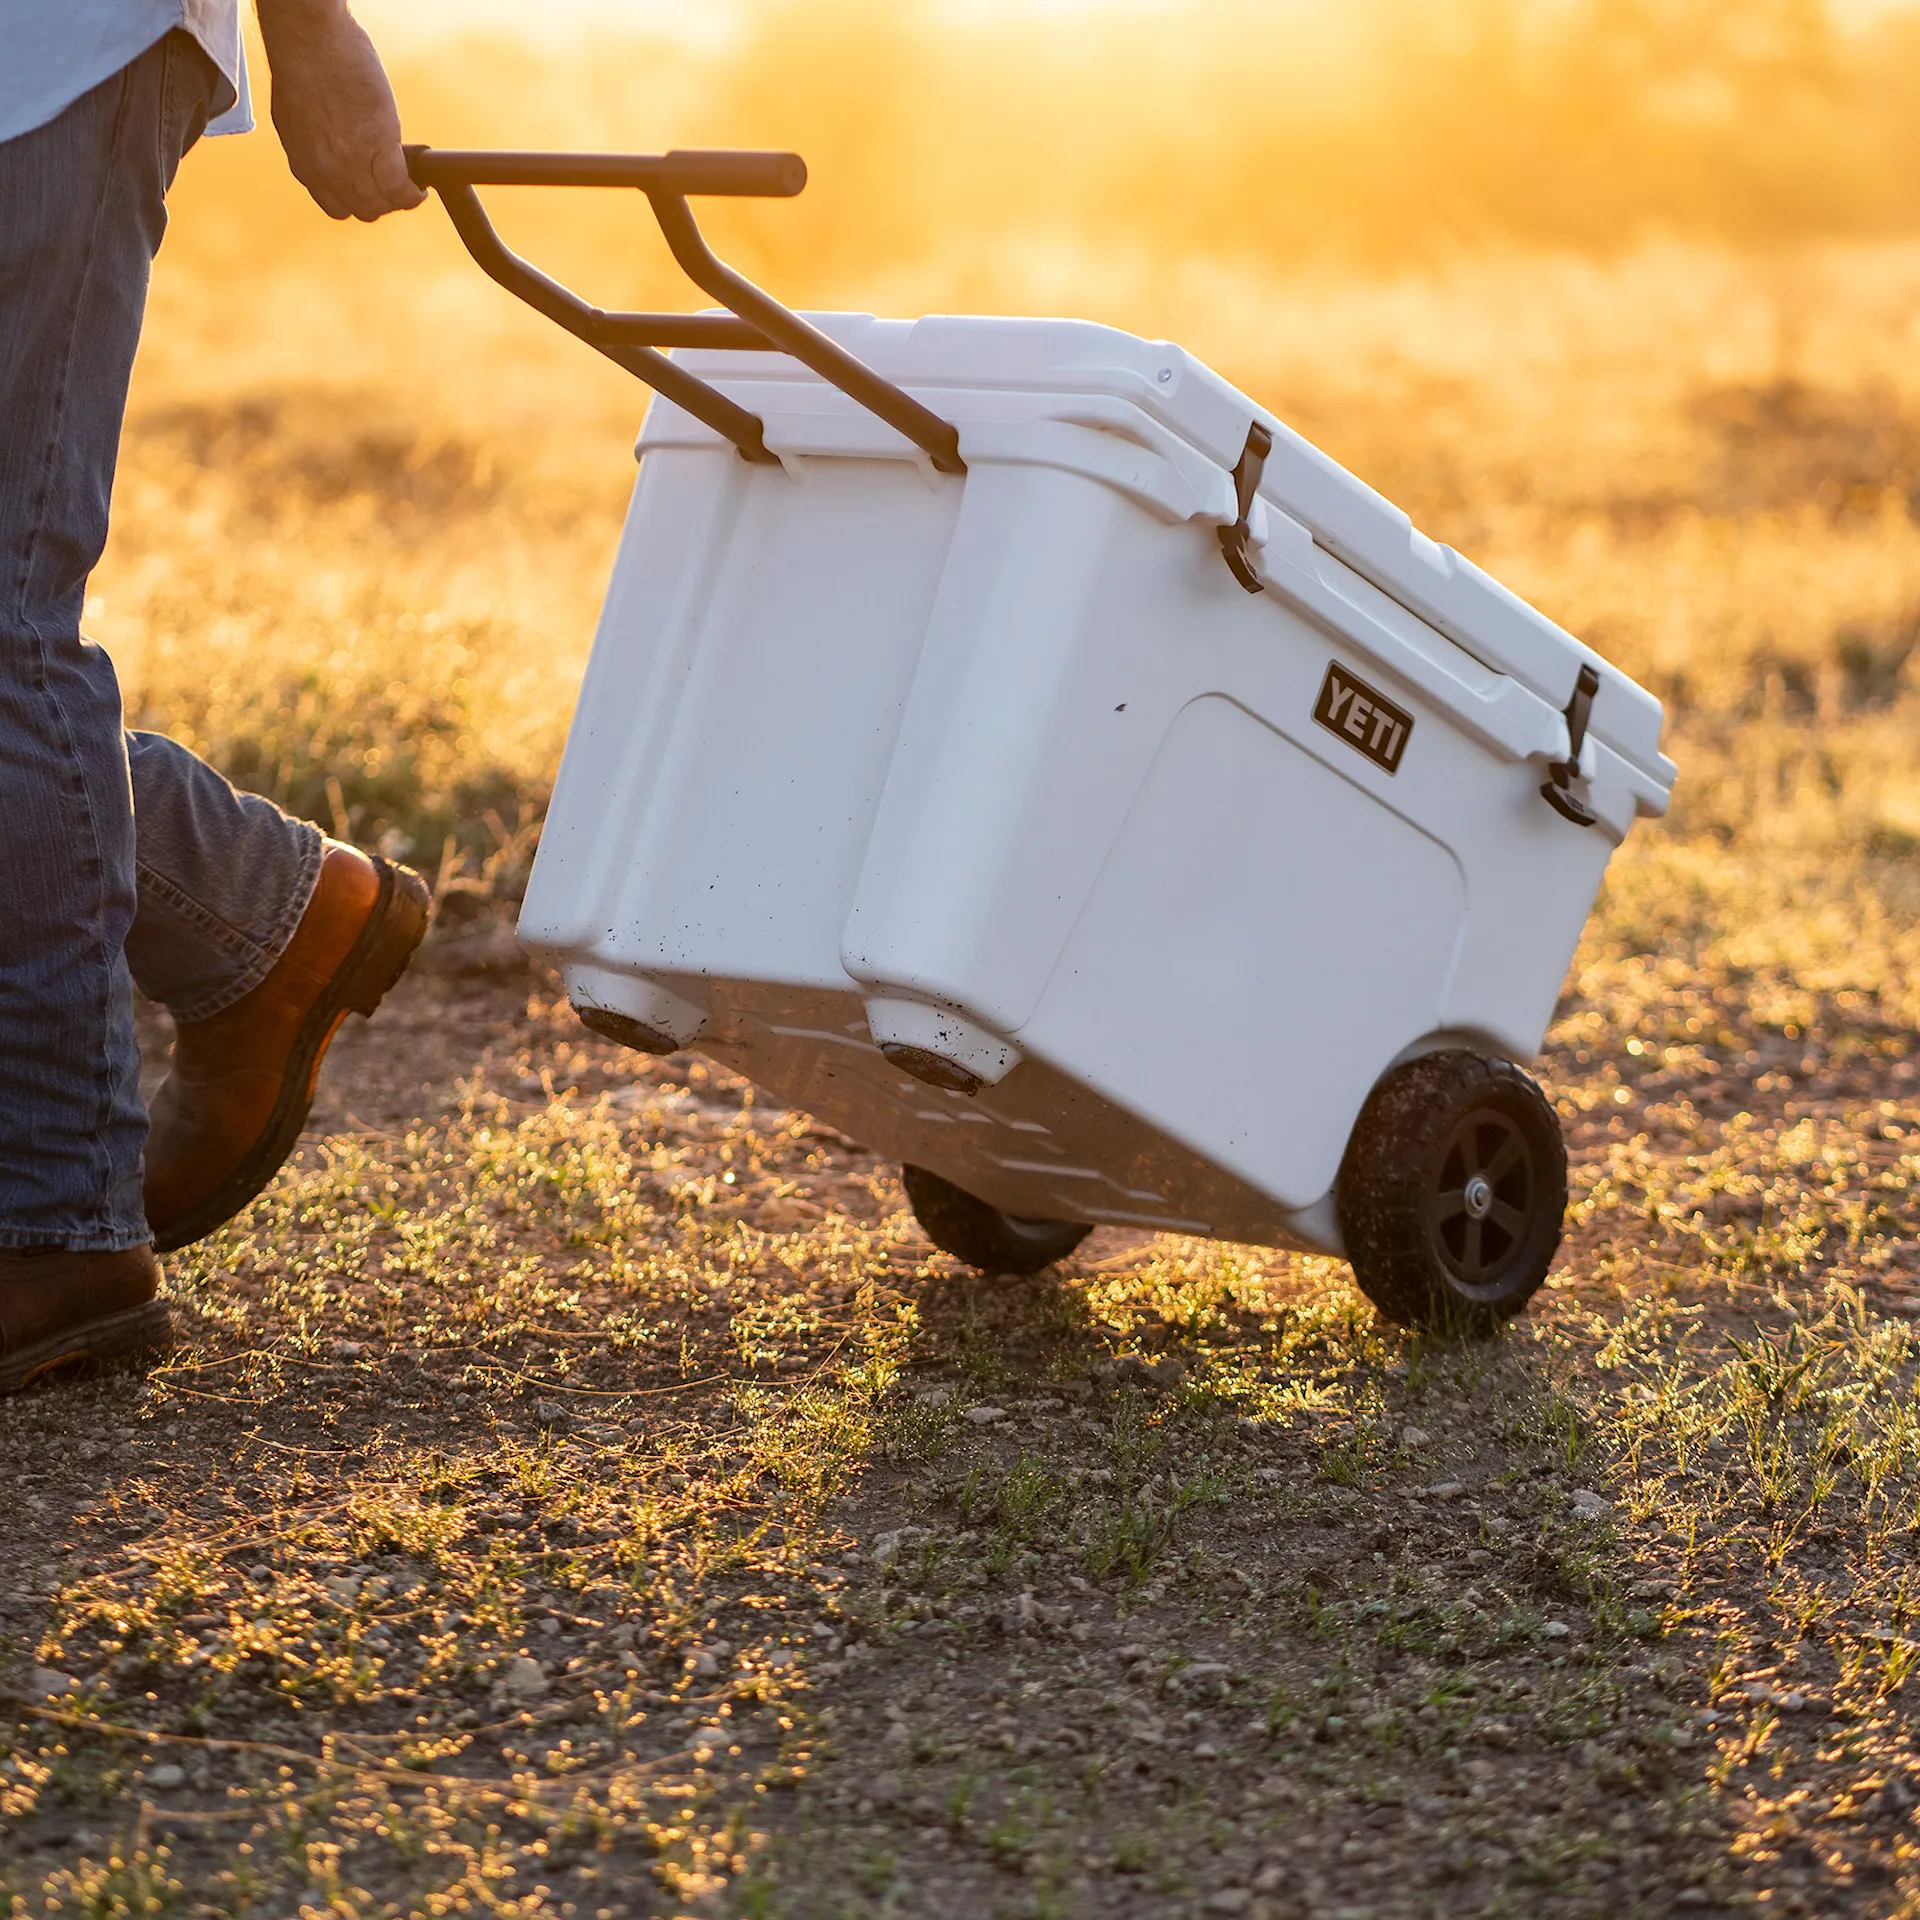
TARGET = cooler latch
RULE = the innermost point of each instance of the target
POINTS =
(1246, 483)
(1558, 791)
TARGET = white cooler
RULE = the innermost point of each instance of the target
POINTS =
(1098, 832)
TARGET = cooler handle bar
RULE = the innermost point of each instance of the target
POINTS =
(719, 172)
(759, 323)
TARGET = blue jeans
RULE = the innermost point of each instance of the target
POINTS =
(123, 858)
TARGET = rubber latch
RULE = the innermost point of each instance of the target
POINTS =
(1558, 791)
(1246, 483)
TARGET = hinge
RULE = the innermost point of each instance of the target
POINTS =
(1558, 791)
(1246, 483)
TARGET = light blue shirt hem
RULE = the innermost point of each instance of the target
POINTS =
(57, 52)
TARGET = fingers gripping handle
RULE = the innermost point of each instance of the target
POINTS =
(630, 340)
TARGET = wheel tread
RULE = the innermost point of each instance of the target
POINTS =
(1381, 1192)
(972, 1230)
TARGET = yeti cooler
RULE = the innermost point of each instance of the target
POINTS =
(1010, 743)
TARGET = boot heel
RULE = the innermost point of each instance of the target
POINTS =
(137, 1331)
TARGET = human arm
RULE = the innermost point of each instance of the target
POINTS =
(334, 110)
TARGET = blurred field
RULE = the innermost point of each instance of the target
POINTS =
(1639, 333)
(546, 1366)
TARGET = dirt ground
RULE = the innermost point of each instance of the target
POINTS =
(580, 1490)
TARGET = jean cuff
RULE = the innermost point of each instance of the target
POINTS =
(103, 1240)
(261, 951)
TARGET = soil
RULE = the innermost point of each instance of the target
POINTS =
(1118, 1604)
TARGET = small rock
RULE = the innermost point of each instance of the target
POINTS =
(548, 1414)
(934, 1396)
(1555, 1630)
(1203, 1676)
(165, 1777)
(1444, 1490)
(886, 1791)
(701, 1664)
(986, 1416)
(348, 1349)
(44, 1684)
(1587, 1504)
(1167, 1373)
(1230, 1900)
(525, 1678)
(887, 1547)
(1414, 1437)
(1206, 1750)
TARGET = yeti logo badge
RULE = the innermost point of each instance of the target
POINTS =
(1365, 720)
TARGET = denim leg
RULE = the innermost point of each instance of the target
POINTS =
(223, 880)
(82, 211)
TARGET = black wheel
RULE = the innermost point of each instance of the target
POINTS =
(981, 1235)
(1452, 1192)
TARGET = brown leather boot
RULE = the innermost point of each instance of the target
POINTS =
(58, 1307)
(229, 1112)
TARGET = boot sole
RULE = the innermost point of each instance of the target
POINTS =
(114, 1336)
(377, 959)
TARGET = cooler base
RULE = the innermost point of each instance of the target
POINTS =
(1036, 1144)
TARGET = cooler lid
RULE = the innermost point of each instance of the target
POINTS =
(1344, 514)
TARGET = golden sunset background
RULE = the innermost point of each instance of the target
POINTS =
(1621, 297)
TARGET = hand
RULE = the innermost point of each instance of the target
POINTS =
(334, 111)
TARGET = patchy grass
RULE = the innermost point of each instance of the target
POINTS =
(596, 1499)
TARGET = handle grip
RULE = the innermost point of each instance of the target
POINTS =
(758, 322)
(695, 174)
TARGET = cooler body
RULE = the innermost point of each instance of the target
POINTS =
(1010, 774)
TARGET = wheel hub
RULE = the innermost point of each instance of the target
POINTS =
(1480, 1204)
